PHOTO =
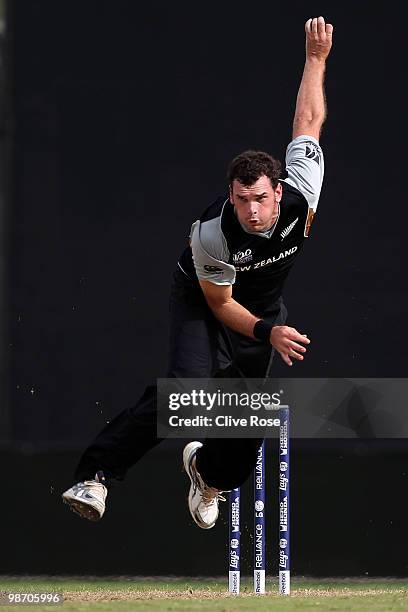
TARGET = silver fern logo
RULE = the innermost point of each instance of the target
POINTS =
(288, 229)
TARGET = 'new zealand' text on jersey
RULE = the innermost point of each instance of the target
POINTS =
(257, 264)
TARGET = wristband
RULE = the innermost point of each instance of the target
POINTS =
(262, 330)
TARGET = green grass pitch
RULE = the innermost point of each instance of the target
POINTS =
(130, 593)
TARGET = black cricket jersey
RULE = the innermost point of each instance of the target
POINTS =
(257, 264)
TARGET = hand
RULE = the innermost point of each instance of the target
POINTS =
(318, 38)
(286, 341)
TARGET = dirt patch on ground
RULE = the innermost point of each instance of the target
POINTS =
(133, 595)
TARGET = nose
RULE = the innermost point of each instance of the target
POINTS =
(253, 209)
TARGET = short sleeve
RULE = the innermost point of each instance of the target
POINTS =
(305, 168)
(208, 267)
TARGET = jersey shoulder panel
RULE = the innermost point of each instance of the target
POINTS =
(305, 167)
(209, 248)
(212, 237)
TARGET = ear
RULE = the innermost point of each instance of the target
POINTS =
(278, 192)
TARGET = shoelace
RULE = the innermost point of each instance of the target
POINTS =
(209, 494)
(209, 497)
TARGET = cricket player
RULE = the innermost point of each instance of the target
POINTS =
(227, 316)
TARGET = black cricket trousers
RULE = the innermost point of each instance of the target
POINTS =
(200, 347)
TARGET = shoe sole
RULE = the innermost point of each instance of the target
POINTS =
(83, 509)
(187, 457)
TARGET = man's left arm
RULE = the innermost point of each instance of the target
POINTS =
(310, 111)
(304, 156)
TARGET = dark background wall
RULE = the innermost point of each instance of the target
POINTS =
(125, 119)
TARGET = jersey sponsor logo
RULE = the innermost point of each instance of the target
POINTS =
(288, 229)
(312, 152)
(213, 269)
(267, 262)
(242, 256)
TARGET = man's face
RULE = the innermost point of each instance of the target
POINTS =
(256, 206)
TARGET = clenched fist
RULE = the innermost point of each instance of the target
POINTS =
(318, 38)
(288, 342)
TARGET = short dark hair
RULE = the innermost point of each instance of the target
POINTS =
(249, 166)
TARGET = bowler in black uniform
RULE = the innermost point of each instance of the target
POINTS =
(227, 316)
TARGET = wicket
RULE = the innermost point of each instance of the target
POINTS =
(259, 518)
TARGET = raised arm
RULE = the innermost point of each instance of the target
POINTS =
(310, 110)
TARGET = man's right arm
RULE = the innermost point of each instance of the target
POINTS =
(285, 339)
(227, 310)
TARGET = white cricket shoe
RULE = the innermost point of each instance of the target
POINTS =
(202, 499)
(87, 498)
